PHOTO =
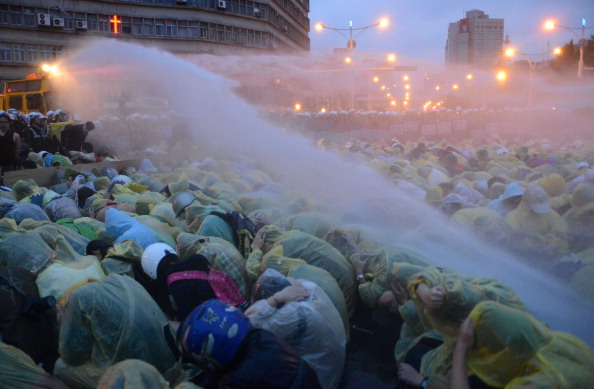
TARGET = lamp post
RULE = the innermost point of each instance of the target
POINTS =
(549, 25)
(532, 66)
(351, 43)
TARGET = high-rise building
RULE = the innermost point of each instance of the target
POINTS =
(476, 40)
(37, 31)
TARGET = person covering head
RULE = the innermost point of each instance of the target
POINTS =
(538, 200)
(212, 334)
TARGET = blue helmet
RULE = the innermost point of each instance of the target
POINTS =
(212, 334)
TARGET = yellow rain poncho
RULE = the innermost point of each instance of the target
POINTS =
(120, 258)
(107, 322)
(19, 371)
(512, 349)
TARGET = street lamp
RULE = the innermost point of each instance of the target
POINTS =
(532, 65)
(351, 43)
(550, 24)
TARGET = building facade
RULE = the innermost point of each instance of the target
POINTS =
(39, 31)
(476, 40)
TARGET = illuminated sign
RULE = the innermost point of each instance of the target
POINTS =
(115, 22)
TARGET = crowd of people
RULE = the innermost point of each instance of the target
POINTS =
(184, 272)
(54, 134)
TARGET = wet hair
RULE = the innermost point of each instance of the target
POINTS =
(268, 286)
(100, 245)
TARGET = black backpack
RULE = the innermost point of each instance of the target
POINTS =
(243, 229)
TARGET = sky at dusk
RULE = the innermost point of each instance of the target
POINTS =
(418, 28)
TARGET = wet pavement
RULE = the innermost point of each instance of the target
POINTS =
(370, 360)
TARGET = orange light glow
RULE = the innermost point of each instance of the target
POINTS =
(437, 87)
(406, 77)
(501, 75)
(549, 25)
(391, 57)
(348, 60)
(455, 86)
(383, 23)
(557, 51)
(323, 110)
(297, 107)
(469, 76)
(407, 86)
(319, 27)
(375, 79)
(115, 22)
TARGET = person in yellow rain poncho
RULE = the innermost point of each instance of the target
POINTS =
(537, 229)
(272, 241)
(19, 371)
(108, 321)
(443, 300)
(136, 374)
(508, 348)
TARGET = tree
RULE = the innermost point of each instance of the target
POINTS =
(567, 61)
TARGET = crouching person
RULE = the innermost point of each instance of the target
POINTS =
(220, 339)
(108, 321)
(303, 315)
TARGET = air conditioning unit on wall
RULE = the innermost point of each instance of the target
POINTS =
(221, 4)
(81, 24)
(44, 20)
(58, 22)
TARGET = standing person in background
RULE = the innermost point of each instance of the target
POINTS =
(10, 144)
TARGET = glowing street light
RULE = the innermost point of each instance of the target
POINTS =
(351, 43)
(391, 57)
(455, 86)
(437, 87)
(469, 76)
(501, 75)
(323, 110)
(510, 52)
(407, 86)
(582, 42)
(375, 79)
(297, 107)
(348, 60)
(405, 77)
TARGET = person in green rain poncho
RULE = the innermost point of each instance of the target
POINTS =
(508, 348)
(104, 322)
(273, 241)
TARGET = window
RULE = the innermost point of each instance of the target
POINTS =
(149, 28)
(31, 54)
(16, 17)
(171, 28)
(5, 54)
(45, 53)
(204, 30)
(3, 14)
(137, 26)
(182, 28)
(103, 23)
(29, 17)
(92, 22)
(127, 25)
(18, 53)
(193, 29)
(159, 27)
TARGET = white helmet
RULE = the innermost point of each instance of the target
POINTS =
(122, 178)
(152, 256)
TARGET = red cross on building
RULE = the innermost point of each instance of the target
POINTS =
(115, 22)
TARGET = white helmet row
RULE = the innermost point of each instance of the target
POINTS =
(152, 256)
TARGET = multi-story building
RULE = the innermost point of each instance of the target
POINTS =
(37, 31)
(476, 40)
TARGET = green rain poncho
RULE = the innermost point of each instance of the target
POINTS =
(380, 268)
(303, 248)
(109, 321)
(512, 349)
